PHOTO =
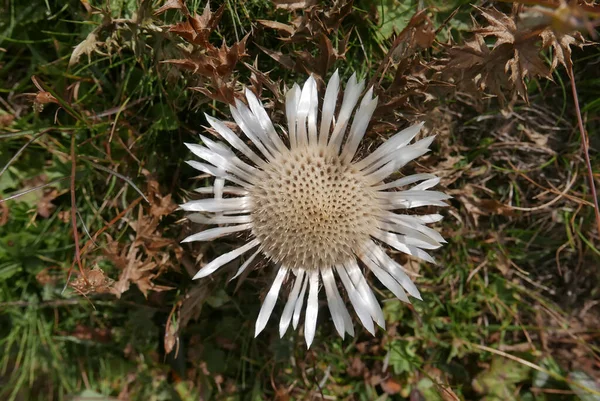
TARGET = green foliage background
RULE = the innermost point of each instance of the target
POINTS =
(498, 321)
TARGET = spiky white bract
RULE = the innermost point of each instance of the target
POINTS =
(314, 209)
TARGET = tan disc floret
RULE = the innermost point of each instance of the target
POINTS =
(310, 209)
(314, 210)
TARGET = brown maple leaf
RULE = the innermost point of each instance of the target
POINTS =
(525, 60)
(214, 65)
(173, 5)
(561, 45)
(311, 29)
(197, 28)
(514, 56)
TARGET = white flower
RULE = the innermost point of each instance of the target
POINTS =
(312, 208)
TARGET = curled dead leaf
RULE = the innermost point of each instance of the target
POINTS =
(87, 46)
(294, 4)
(391, 386)
(279, 26)
(94, 281)
(173, 5)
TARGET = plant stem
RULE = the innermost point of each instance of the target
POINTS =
(585, 147)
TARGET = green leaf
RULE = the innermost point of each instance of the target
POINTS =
(166, 120)
(394, 15)
(500, 380)
(584, 380)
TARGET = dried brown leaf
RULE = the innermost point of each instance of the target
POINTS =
(86, 333)
(513, 58)
(260, 79)
(171, 340)
(279, 26)
(4, 213)
(356, 367)
(44, 205)
(294, 4)
(173, 5)
(390, 386)
(283, 59)
(6, 120)
(525, 63)
(197, 28)
(561, 45)
(89, 45)
(501, 26)
(95, 281)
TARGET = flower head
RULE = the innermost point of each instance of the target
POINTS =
(312, 207)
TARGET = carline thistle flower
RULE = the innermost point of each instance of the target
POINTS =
(312, 208)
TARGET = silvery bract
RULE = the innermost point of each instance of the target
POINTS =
(312, 208)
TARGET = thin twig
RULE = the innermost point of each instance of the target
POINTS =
(121, 176)
(549, 203)
(33, 189)
(532, 365)
(586, 149)
(87, 245)
(16, 155)
(85, 228)
(74, 212)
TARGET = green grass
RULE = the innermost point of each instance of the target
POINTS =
(500, 318)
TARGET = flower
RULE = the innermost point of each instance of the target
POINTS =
(313, 207)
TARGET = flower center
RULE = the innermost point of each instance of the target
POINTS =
(310, 210)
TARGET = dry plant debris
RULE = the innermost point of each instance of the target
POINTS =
(96, 94)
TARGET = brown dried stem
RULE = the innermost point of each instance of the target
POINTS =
(585, 147)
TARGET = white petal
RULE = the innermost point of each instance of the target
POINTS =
(414, 222)
(404, 181)
(299, 303)
(247, 127)
(216, 172)
(411, 199)
(397, 242)
(395, 270)
(329, 103)
(396, 142)
(429, 218)
(217, 147)
(351, 95)
(292, 98)
(224, 259)
(227, 154)
(263, 119)
(426, 184)
(307, 107)
(312, 113)
(203, 219)
(237, 205)
(207, 168)
(244, 266)
(359, 281)
(286, 316)
(254, 125)
(234, 140)
(333, 300)
(312, 307)
(269, 302)
(356, 300)
(385, 278)
(400, 157)
(229, 160)
(218, 186)
(219, 161)
(226, 190)
(412, 236)
(359, 126)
